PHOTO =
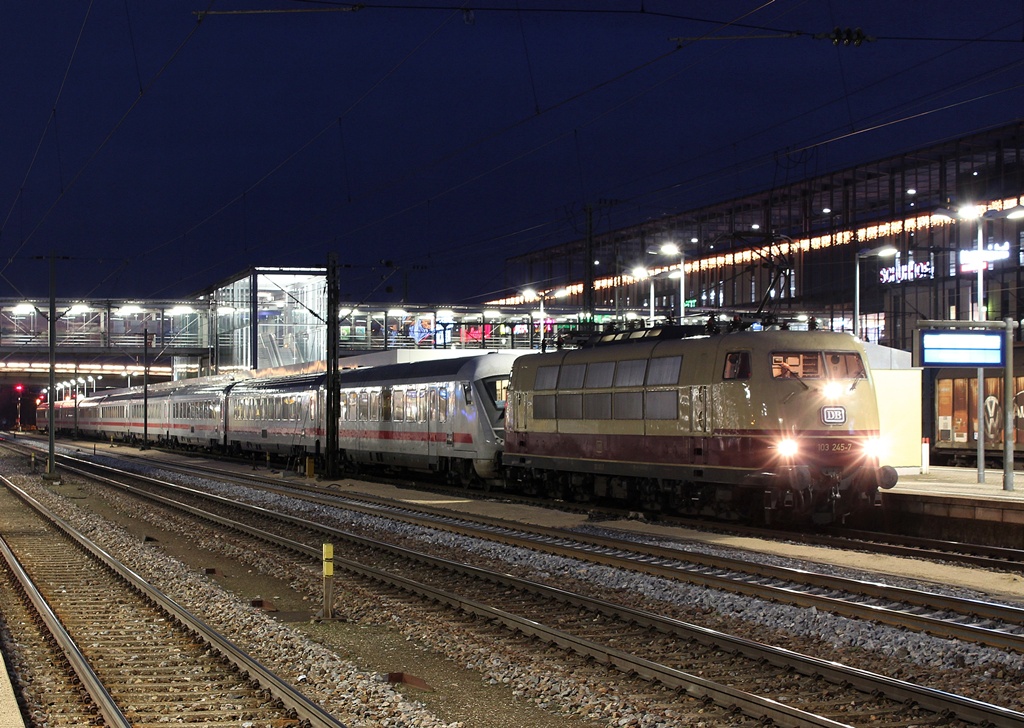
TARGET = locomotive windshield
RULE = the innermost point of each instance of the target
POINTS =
(817, 365)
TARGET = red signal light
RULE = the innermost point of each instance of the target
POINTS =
(18, 388)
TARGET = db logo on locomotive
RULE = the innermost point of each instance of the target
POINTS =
(833, 415)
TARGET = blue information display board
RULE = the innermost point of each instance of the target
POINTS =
(945, 348)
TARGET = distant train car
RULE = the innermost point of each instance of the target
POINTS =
(775, 426)
(441, 415)
(278, 415)
(184, 414)
(955, 435)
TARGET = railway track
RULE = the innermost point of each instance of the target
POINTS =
(983, 622)
(878, 542)
(631, 639)
(128, 655)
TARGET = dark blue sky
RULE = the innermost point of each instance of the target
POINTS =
(157, 153)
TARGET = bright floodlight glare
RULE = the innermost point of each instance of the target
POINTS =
(833, 390)
(876, 447)
(788, 448)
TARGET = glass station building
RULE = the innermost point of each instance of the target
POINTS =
(899, 239)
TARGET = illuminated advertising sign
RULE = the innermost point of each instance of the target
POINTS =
(972, 260)
(965, 348)
(906, 272)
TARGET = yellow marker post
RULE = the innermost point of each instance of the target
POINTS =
(327, 612)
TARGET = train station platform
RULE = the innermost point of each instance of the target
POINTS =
(950, 503)
(10, 713)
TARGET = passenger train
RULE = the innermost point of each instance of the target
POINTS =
(773, 426)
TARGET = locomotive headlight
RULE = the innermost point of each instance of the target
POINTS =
(876, 447)
(788, 448)
(832, 390)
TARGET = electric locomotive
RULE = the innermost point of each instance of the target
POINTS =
(774, 426)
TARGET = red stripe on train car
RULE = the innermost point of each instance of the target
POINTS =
(462, 438)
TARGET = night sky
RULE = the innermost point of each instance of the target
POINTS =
(156, 148)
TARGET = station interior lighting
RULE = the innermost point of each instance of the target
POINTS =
(1010, 208)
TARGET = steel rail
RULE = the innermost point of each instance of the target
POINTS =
(268, 680)
(105, 703)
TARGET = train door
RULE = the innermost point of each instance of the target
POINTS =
(446, 423)
(432, 424)
(699, 419)
(700, 409)
(466, 413)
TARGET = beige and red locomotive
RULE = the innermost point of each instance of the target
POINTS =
(772, 426)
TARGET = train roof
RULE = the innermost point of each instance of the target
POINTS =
(645, 346)
(433, 369)
(311, 380)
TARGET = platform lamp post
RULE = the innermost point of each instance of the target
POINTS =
(672, 249)
(640, 273)
(976, 212)
(528, 295)
(884, 251)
